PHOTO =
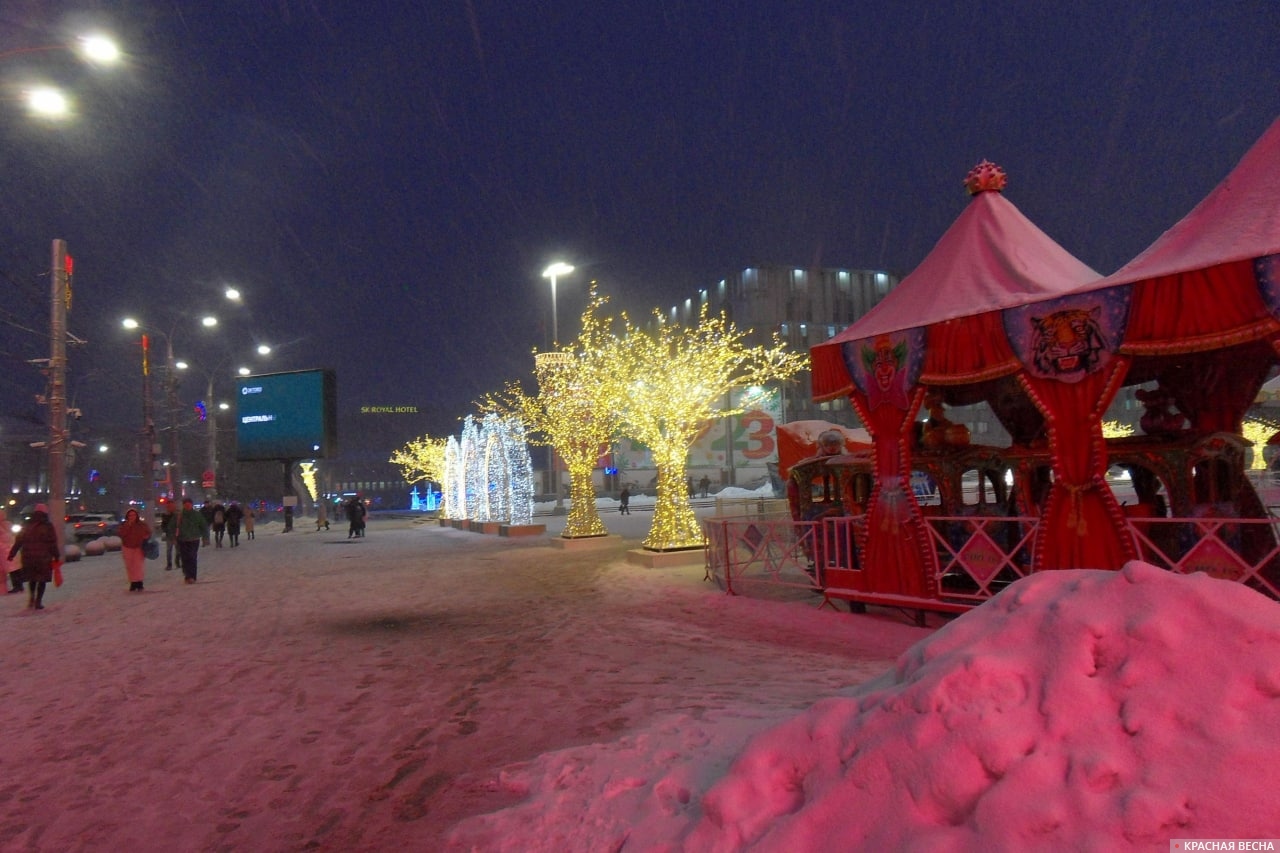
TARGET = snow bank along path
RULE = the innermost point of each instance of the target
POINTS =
(1077, 710)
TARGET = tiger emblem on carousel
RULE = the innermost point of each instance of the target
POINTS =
(1068, 342)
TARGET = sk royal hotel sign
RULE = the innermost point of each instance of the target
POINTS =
(388, 410)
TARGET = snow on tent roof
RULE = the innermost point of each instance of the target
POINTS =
(1239, 220)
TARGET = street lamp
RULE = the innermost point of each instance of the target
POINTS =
(49, 102)
(172, 365)
(60, 281)
(553, 272)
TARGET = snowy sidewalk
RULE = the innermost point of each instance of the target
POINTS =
(316, 691)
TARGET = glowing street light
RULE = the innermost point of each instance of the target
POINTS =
(553, 272)
(99, 49)
(48, 102)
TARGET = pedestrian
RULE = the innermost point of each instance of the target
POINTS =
(363, 517)
(191, 529)
(134, 534)
(352, 509)
(704, 484)
(234, 516)
(624, 501)
(38, 542)
(218, 521)
(249, 519)
(690, 485)
(322, 515)
(9, 568)
(168, 527)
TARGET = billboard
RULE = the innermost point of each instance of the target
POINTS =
(286, 416)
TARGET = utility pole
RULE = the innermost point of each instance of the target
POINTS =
(150, 451)
(60, 296)
(211, 428)
(175, 447)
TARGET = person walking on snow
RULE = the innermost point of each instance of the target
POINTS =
(134, 533)
(191, 530)
(38, 542)
(234, 516)
(218, 521)
(168, 527)
(8, 568)
(624, 501)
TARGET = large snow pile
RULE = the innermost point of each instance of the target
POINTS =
(1076, 710)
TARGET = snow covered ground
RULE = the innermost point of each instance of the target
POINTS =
(434, 689)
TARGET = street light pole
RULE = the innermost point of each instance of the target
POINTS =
(175, 466)
(212, 489)
(60, 296)
(553, 272)
(148, 454)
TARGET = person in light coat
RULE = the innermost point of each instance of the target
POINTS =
(134, 534)
(8, 568)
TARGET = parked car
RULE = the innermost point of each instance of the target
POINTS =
(84, 526)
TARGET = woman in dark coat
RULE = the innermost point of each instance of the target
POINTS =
(38, 542)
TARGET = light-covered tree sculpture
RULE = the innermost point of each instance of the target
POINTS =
(575, 410)
(670, 382)
(421, 460)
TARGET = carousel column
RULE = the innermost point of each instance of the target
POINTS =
(898, 559)
(1082, 526)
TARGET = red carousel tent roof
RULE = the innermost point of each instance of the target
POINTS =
(992, 257)
(1239, 220)
(1196, 288)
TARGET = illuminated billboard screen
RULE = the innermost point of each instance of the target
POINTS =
(286, 416)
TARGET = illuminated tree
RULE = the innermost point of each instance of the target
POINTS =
(1116, 429)
(421, 459)
(1257, 433)
(575, 410)
(670, 382)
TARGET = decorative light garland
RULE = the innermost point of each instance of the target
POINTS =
(473, 473)
(455, 484)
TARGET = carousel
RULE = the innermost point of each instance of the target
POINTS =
(1000, 315)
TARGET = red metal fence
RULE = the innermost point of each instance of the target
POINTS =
(977, 556)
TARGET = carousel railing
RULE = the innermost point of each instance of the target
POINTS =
(1245, 550)
(977, 556)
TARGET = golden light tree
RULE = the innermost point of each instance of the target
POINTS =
(575, 410)
(421, 459)
(670, 382)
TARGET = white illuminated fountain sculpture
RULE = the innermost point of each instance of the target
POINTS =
(488, 477)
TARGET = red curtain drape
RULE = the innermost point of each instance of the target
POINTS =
(1081, 526)
(898, 558)
(1196, 311)
(967, 350)
(1215, 390)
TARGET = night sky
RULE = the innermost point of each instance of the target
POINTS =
(385, 181)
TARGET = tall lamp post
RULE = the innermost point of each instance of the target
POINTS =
(553, 272)
(50, 102)
(60, 298)
(210, 484)
(172, 366)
